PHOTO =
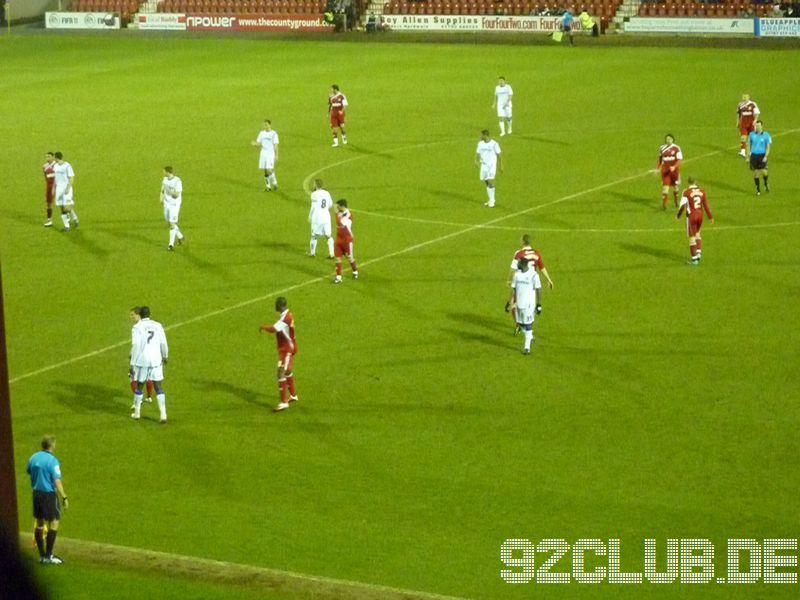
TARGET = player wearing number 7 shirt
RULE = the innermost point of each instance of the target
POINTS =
(694, 202)
(283, 329)
(534, 258)
(669, 163)
(337, 102)
(344, 240)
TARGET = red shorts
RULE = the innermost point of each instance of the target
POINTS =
(671, 177)
(286, 360)
(693, 225)
(744, 129)
(342, 248)
(337, 118)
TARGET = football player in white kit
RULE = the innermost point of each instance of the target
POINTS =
(487, 157)
(63, 176)
(320, 218)
(171, 198)
(268, 141)
(502, 101)
(149, 353)
(523, 300)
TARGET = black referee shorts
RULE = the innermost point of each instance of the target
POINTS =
(757, 162)
(45, 506)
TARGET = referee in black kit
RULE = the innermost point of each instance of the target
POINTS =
(45, 472)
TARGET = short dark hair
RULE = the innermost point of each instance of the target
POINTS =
(58, 155)
(144, 312)
(759, 121)
(50, 153)
(168, 169)
(522, 262)
(503, 77)
(335, 87)
(484, 132)
(526, 239)
(47, 441)
(692, 180)
(280, 303)
(318, 183)
(267, 121)
(669, 135)
(342, 202)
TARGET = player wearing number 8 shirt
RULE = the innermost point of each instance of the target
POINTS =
(149, 353)
(320, 218)
(344, 240)
(283, 329)
(694, 202)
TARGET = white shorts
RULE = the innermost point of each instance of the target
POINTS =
(504, 113)
(171, 211)
(321, 228)
(63, 199)
(488, 172)
(142, 374)
(266, 160)
(525, 315)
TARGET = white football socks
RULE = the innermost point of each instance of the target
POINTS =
(65, 220)
(74, 216)
(490, 192)
(273, 180)
(312, 246)
(502, 127)
(162, 405)
(528, 338)
(330, 246)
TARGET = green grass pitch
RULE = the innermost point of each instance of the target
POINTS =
(659, 400)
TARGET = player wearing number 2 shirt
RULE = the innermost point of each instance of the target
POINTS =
(344, 240)
(283, 329)
(694, 202)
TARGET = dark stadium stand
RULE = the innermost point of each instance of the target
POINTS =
(672, 8)
(242, 6)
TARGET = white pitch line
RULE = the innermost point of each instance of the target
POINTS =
(467, 229)
(195, 561)
(361, 211)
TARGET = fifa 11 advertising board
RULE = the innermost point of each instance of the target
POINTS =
(81, 20)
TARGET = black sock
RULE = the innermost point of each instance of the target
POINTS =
(51, 541)
(766, 182)
(758, 185)
(38, 535)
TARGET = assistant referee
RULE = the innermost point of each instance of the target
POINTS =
(45, 472)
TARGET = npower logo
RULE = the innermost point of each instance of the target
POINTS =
(211, 22)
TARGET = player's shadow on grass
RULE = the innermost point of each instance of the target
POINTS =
(719, 185)
(204, 265)
(631, 198)
(543, 140)
(242, 184)
(91, 397)
(229, 389)
(76, 236)
(473, 199)
(384, 154)
(489, 325)
(659, 253)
